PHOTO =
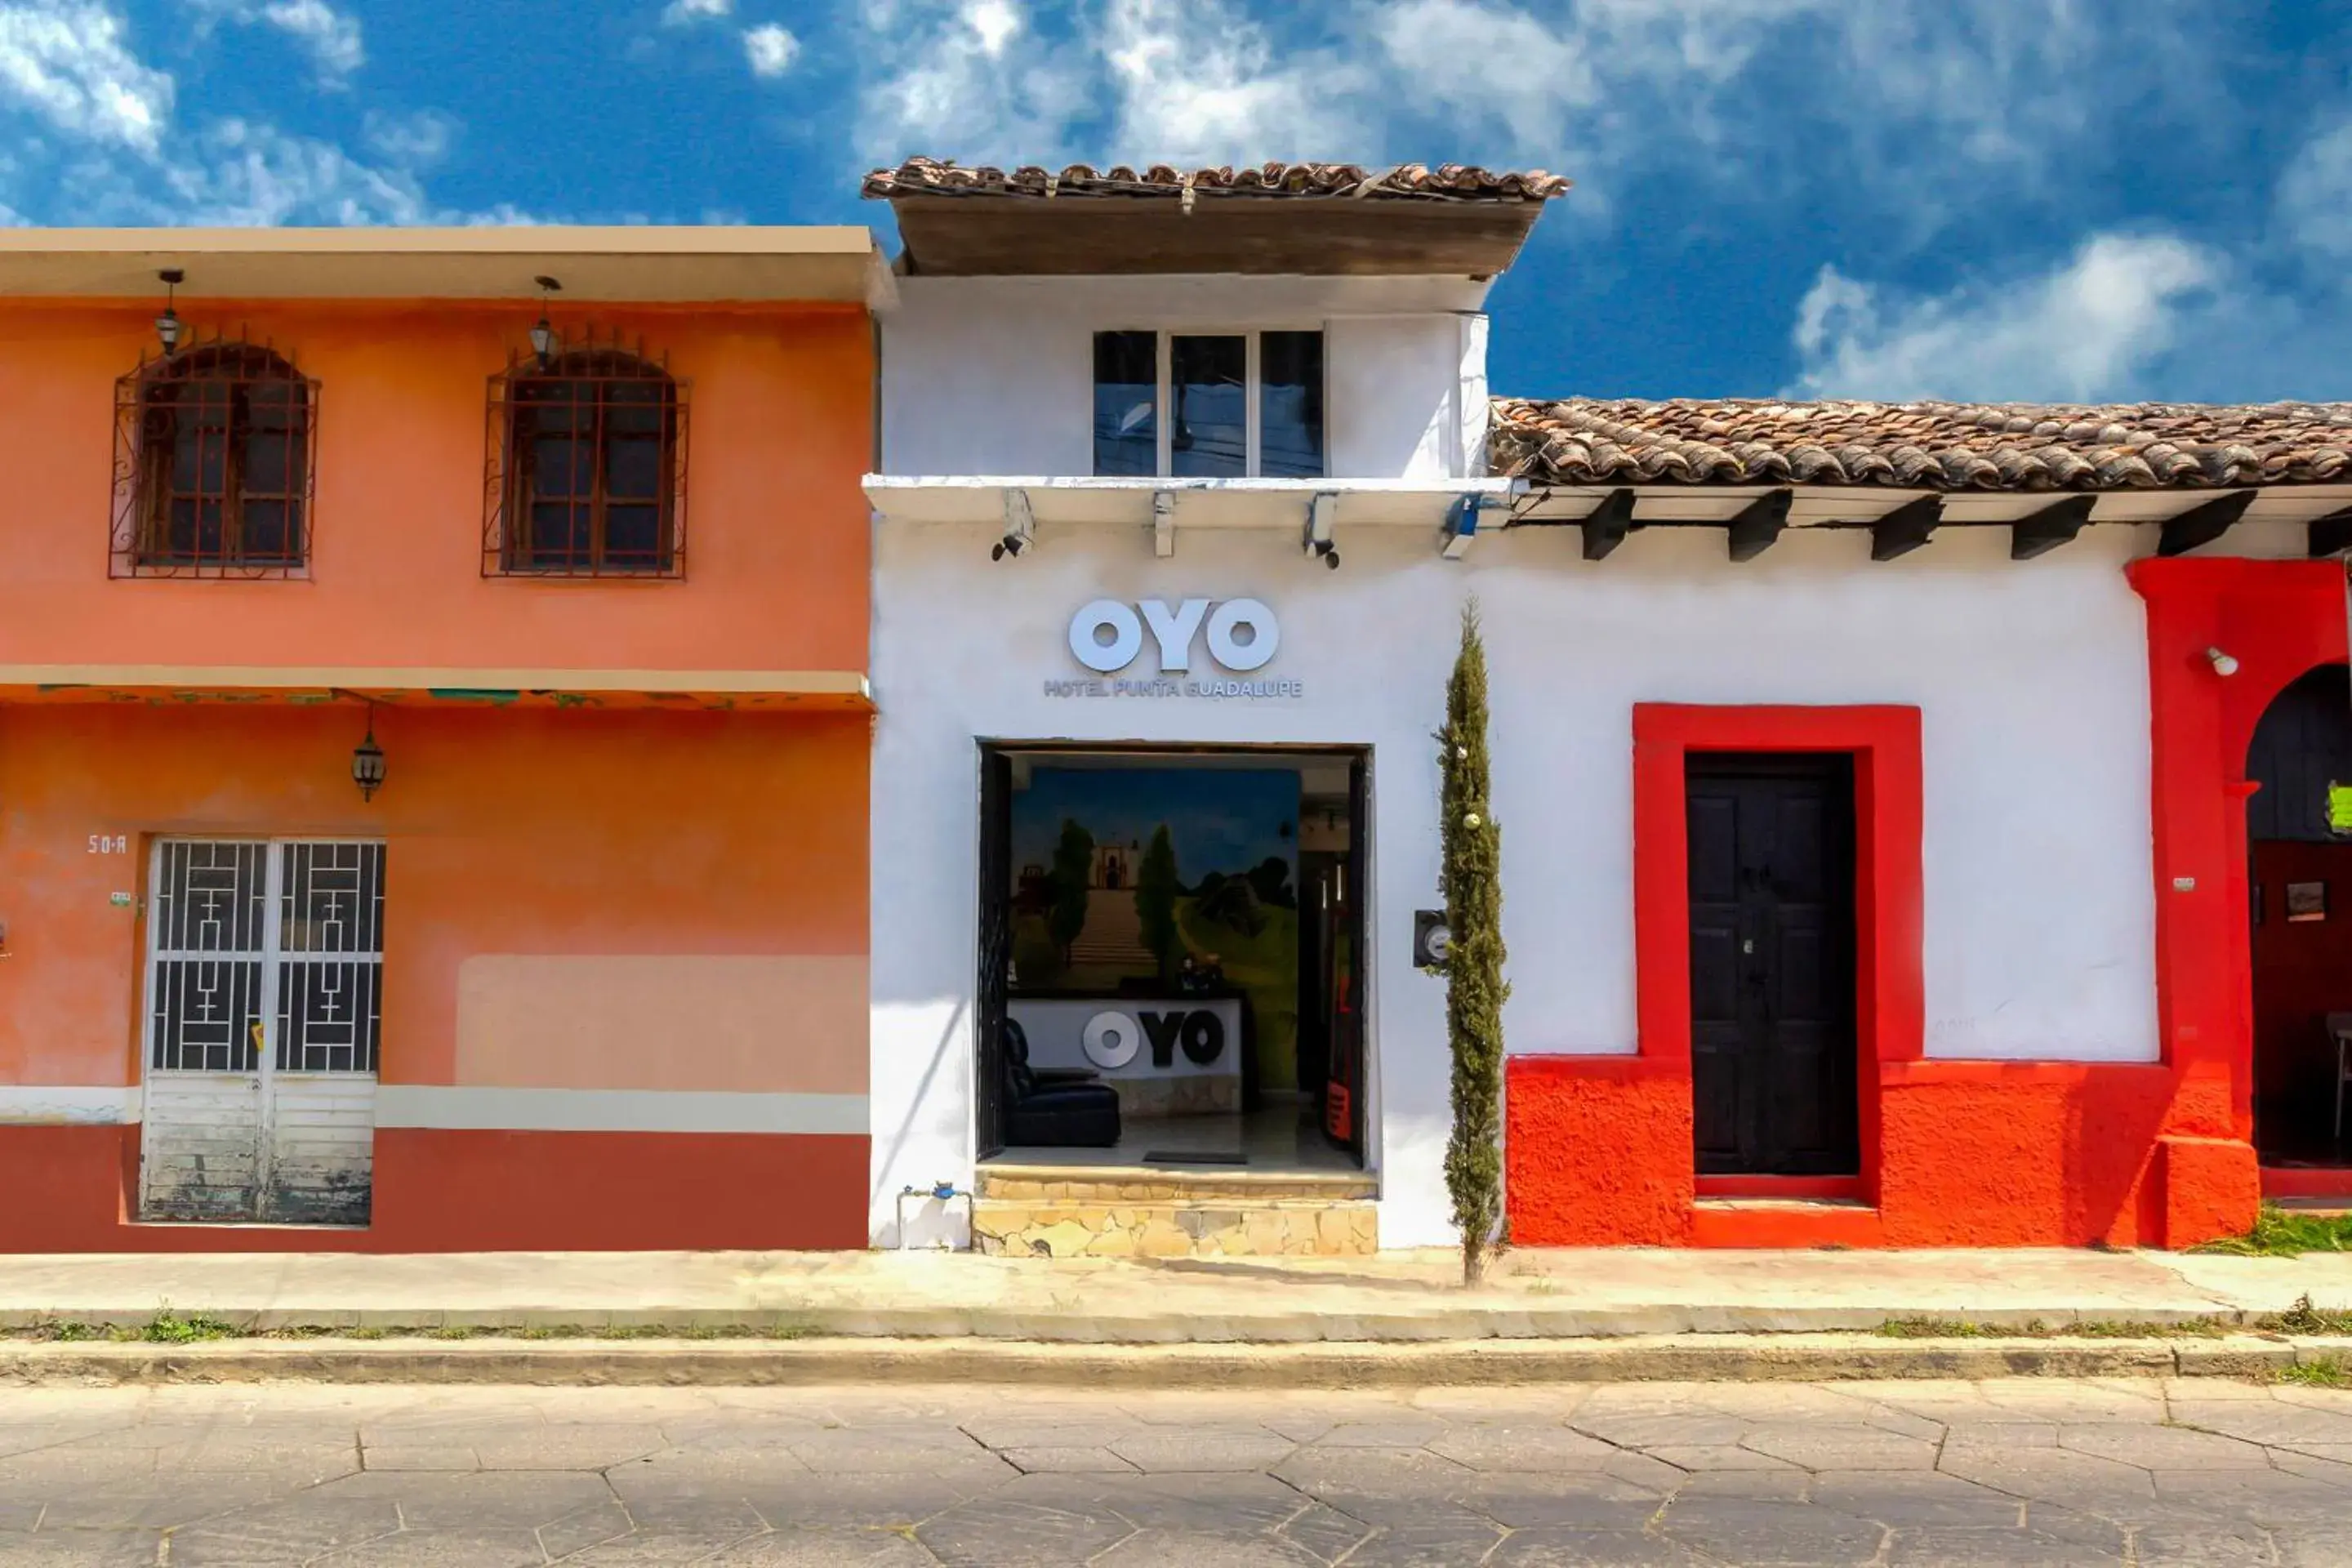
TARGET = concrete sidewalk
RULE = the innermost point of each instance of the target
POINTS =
(1396, 1296)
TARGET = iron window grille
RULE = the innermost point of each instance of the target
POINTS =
(215, 463)
(266, 952)
(586, 471)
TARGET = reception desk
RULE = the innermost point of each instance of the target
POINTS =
(1167, 1056)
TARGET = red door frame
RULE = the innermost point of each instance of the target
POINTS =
(1889, 814)
(2278, 619)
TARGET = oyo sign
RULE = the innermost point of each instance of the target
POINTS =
(1107, 635)
(1113, 1038)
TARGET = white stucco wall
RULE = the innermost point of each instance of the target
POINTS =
(2030, 678)
(995, 375)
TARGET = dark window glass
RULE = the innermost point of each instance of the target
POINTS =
(1126, 395)
(1208, 379)
(596, 438)
(1290, 404)
(224, 455)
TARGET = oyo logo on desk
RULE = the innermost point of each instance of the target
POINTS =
(1112, 1038)
(1107, 635)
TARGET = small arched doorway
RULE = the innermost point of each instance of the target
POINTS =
(2299, 876)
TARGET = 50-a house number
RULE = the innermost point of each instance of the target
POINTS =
(110, 844)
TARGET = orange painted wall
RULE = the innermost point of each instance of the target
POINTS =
(573, 832)
(779, 429)
(540, 832)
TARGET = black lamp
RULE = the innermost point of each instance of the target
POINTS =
(542, 336)
(367, 761)
(167, 325)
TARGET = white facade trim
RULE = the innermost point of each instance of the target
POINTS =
(68, 1105)
(460, 1108)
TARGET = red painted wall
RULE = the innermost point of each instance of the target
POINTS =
(69, 1190)
(1962, 1152)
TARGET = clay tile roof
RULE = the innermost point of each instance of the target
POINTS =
(1449, 182)
(1922, 445)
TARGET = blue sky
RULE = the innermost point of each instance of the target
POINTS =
(2069, 199)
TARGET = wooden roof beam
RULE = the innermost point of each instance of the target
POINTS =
(2048, 528)
(1760, 523)
(2332, 534)
(1905, 528)
(1606, 525)
(2204, 523)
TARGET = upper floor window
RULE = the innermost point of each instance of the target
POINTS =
(1208, 405)
(214, 464)
(587, 468)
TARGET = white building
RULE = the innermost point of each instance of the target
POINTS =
(1822, 739)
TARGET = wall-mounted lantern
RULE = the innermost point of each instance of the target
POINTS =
(367, 761)
(167, 325)
(543, 341)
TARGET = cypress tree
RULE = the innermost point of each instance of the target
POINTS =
(1155, 904)
(1471, 884)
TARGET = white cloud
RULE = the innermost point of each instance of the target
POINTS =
(1916, 109)
(2314, 198)
(330, 38)
(69, 63)
(2092, 329)
(981, 85)
(687, 13)
(771, 48)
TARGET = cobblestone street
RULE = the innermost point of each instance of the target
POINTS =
(2201, 1471)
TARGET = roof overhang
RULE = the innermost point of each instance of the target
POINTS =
(647, 264)
(1454, 510)
(1901, 521)
(1193, 504)
(972, 236)
(802, 691)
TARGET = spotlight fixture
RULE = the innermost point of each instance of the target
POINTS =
(1020, 527)
(543, 341)
(167, 325)
(2223, 664)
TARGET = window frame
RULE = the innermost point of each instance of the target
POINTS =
(508, 476)
(1253, 391)
(139, 543)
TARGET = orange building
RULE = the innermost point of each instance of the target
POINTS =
(434, 734)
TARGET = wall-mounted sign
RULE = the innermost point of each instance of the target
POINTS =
(2306, 900)
(1107, 638)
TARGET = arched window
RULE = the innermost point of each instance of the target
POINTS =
(589, 463)
(213, 464)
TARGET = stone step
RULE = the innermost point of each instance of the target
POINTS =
(1223, 1227)
(1160, 1184)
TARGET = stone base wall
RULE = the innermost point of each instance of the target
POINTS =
(1214, 1227)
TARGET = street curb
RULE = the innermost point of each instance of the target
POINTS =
(1439, 1324)
(689, 1362)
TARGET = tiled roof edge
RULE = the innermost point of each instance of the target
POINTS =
(1448, 182)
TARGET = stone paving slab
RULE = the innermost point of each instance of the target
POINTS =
(2144, 1471)
(1390, 1296)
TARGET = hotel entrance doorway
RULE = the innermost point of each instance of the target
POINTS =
(1171, 951)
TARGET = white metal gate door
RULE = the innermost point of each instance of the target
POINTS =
(264, 1003)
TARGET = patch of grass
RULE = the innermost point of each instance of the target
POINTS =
(170, 1328)
(2286, 1233)
(2321, 1371)
(2035, 1328)
(1949, 1329)
(2303, 1317)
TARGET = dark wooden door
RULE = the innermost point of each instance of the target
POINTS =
(995, 949)
(1772, 975)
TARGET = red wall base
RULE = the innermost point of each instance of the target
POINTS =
(1970, 1154)
(67, 1190)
